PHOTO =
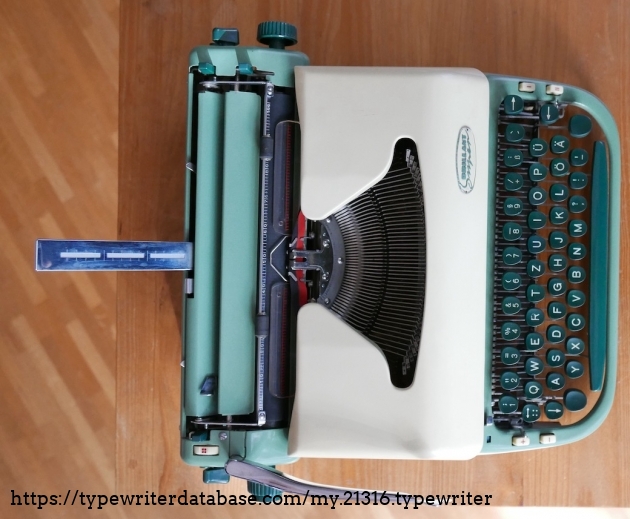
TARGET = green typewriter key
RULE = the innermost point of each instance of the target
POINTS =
(512, 231)
(531, 413)
(537, 196)
(534, 366)
(577, 204)
(510, 331)
(578, 157)
(512, 206)
(558, 240)
(559, 144)
(533, 342)
(557, 262)
(559, 167)
(575, 400)
(577, 228)
(558, 192)
(536, 244)
(535, 268)
(554, 410)
(537, 147)
(513, 158)
(577, 251)
(576, 298)
(537, 172)
(514, 132)
(511, 305)
(512, 255)
(508, 404)
(555, 381)
(511, 281)
(510, 380)
(556, 310)
(555, 358)
(574, 369)
(549, 113)
(555, 334)
(575, 322)
(576, 274)
(513, 181)
(535, 293)
(558, 215)
(510, 355)
(580, 126)
(578, 180)
(533, 390)
(534, 317)
(513, 105)
(575, 346)
(536, 220)
(557, 286)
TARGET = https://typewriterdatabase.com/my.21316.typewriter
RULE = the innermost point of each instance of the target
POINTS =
(353, 247)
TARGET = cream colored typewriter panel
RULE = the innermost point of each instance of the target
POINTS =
(346, 405)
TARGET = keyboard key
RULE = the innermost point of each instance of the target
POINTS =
(574, 400)
(554, 410)
(512, 231)
(535, 268)
(513, 105)
(533, 390)
(555, 334)
(515, 133)
(511, 281)
(510, 380)
(559, 167)
(557, 286)
(577, 228)
(575, 346)
(576, 274)
(558, 215)
(555, 381)
(513, 157)
(537, 147)
(511, 305)
(537, 172)
(534, 366)
(536, 220)
(559, 144)
(577, 204)
(578, 180)
(578, 157)
(536, 244)
(556, 310)
(510, 331)
(512, 255)
(549, 113)
(558, 192)
(510, 355)
(576, 298)
(533, 342)
(575, 322)
(537, 196)
(534, 317)
(558, 240)
(531, 413)
(577, 251)
(557, 262)
(580, 126)
(508, 404)
(512, 206)
(555, 358)
(574, 369)
(513, 181)
(535, 293)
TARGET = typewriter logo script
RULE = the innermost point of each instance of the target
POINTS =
(466, 159)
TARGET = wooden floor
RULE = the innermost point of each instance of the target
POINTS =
(58, 153)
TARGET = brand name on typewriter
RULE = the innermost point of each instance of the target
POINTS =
(466, 160)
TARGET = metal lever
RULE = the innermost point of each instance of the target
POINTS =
(112, 255)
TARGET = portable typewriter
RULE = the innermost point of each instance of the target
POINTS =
(384, 276)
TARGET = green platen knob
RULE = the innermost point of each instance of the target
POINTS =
(277, 35)
(222, 36)
(259, 490)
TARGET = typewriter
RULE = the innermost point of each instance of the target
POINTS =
(370, 273)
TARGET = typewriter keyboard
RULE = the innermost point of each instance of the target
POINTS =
(551, 188)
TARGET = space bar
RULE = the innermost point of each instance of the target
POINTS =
(599, 267)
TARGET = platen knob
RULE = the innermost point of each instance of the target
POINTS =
(277, 35)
